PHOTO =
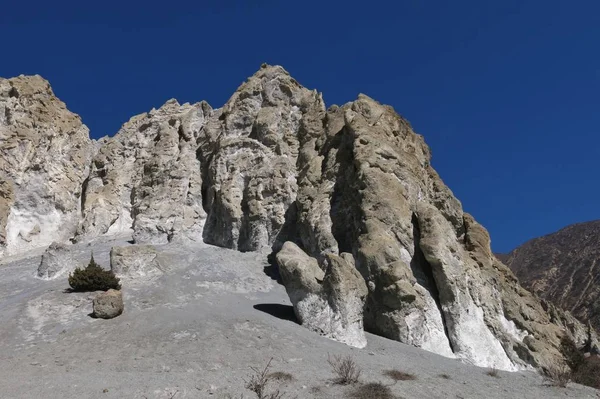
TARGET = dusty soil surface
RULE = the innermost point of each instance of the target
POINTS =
(195, 331)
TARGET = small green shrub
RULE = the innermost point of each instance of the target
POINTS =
(93, 278)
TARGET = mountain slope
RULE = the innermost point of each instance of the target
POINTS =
(563, 268)
(350, 186)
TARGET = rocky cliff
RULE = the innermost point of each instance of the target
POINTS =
(366, 235)
(560, 268)
(45, 153)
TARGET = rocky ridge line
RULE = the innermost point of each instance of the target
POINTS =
(346, 186)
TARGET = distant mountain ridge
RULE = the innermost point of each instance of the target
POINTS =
(563, 268)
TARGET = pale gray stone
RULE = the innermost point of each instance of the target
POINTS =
(108, 305)
(134, 261)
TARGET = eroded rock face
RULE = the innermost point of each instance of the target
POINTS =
(44, 158)
(108, 305)
(328, 302)
(364, 229)
(134, 261)
(251, 171)
(366, 187)
(56, 261)
(146, 179)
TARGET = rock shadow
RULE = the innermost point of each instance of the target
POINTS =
(283, 312)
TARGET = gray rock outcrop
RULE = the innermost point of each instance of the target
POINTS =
(44, 158)
(329, 302)
(363, 228)
(146, 179)
(108, 305)
(134, 261)
(56, 261)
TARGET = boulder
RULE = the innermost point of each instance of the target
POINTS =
(108, 305)
(56, 261)
(134, 261)
(328, 302)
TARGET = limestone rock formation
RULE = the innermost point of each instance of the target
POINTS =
(134, 261)
(44, 158)
(328, 302)
(251, 167)
(56, 261)
(561, 268)
(146, 179)
(108, 305)
(335, 193)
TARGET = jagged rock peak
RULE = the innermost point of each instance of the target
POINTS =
(44, 158)
(349, 190)
(146, 179)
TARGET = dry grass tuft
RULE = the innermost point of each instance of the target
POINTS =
(398, 375)
(558, 376)
(281, 376)
(258, 383)
(493, 373)
(444, 376)
(345, 368)
(372, 390)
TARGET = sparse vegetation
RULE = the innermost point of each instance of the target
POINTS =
(444, 376)
(259, 381)
(493, 373)
(398, 375)
(588, 372)
(281, 376)
(93, 278)
(345, 368)
(372, 390)
(585, 371)
(557, 376)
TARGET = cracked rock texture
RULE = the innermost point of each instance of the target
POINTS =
(146, 178)
(134, 261)
(44, 158)
(364, 230)
(56, 261)
(329, 302)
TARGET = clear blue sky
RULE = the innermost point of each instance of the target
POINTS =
(506, 93)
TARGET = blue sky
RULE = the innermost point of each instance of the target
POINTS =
(506, 93)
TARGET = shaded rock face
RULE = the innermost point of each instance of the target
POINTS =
(364, 230)
(44, 158)
(56, 261)
(146, 179)
(328, 302)
(561, 268)
(108, 305)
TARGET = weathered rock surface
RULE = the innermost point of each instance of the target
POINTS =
(146, 179)
(335, 193)
(561, 268)
(251, 172)
(328, 302)
(56, 261)
(108, 305)
(134, 261)
(44, 159)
